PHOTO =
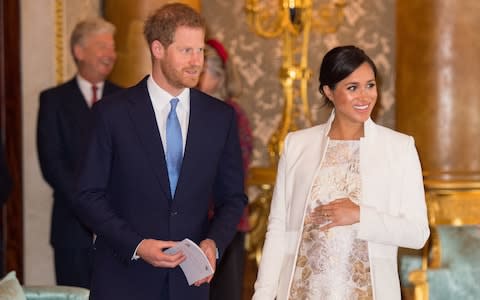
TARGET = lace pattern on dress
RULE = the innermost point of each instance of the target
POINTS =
(333, 265)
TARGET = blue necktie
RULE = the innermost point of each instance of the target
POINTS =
(174, 146)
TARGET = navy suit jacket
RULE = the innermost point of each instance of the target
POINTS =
(62, 130)
(125, 197)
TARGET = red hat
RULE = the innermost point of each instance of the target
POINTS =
(219, 49)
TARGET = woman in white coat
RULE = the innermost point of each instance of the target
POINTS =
(348, 193)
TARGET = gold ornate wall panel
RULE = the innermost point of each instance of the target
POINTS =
(133, 55)
(437, 84)
(368, 24)
(59, 42)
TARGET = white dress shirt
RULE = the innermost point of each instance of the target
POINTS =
(86, 89)
(161, 106)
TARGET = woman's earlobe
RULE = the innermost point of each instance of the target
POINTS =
(327, 92)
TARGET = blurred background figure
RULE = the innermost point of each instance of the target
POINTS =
(64, 119)
(220, 79)
(5, 189)
(5, 179)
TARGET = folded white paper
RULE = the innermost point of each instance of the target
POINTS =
(196, 265)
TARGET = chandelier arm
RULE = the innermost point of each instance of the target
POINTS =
(282, 22)
(258, 27)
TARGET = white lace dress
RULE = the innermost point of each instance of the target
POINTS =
(333, 265)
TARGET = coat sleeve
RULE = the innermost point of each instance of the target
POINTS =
(229, 196)
(91, 202)
(274, 248)
(409, 228)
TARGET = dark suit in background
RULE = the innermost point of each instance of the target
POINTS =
(63, 125)
(64, 119)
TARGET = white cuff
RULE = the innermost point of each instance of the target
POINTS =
(135, 256)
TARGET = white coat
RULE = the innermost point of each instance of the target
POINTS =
(392, 211)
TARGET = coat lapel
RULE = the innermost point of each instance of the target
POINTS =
(310, 158)
(76, 107)
(373, 169)
(143, 118)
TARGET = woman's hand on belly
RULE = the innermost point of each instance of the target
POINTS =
(339, 212)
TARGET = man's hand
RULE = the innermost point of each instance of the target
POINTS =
(151, 251)
(210, 249)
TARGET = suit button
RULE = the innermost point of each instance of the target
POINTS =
(173, 213)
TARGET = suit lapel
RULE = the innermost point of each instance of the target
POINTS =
(76, 106)
(143, 118)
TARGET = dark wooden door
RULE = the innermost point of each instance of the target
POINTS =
(11, 133)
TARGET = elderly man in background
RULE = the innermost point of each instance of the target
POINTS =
(64, 120)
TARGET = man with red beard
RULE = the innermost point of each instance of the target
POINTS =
(64, 119)
(159, 152)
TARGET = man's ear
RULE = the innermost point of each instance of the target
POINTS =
(78, 52)
(158, 51)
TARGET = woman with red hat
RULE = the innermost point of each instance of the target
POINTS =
(220, 80)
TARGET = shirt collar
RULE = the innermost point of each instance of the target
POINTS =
(162, 97)
(87, 85)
